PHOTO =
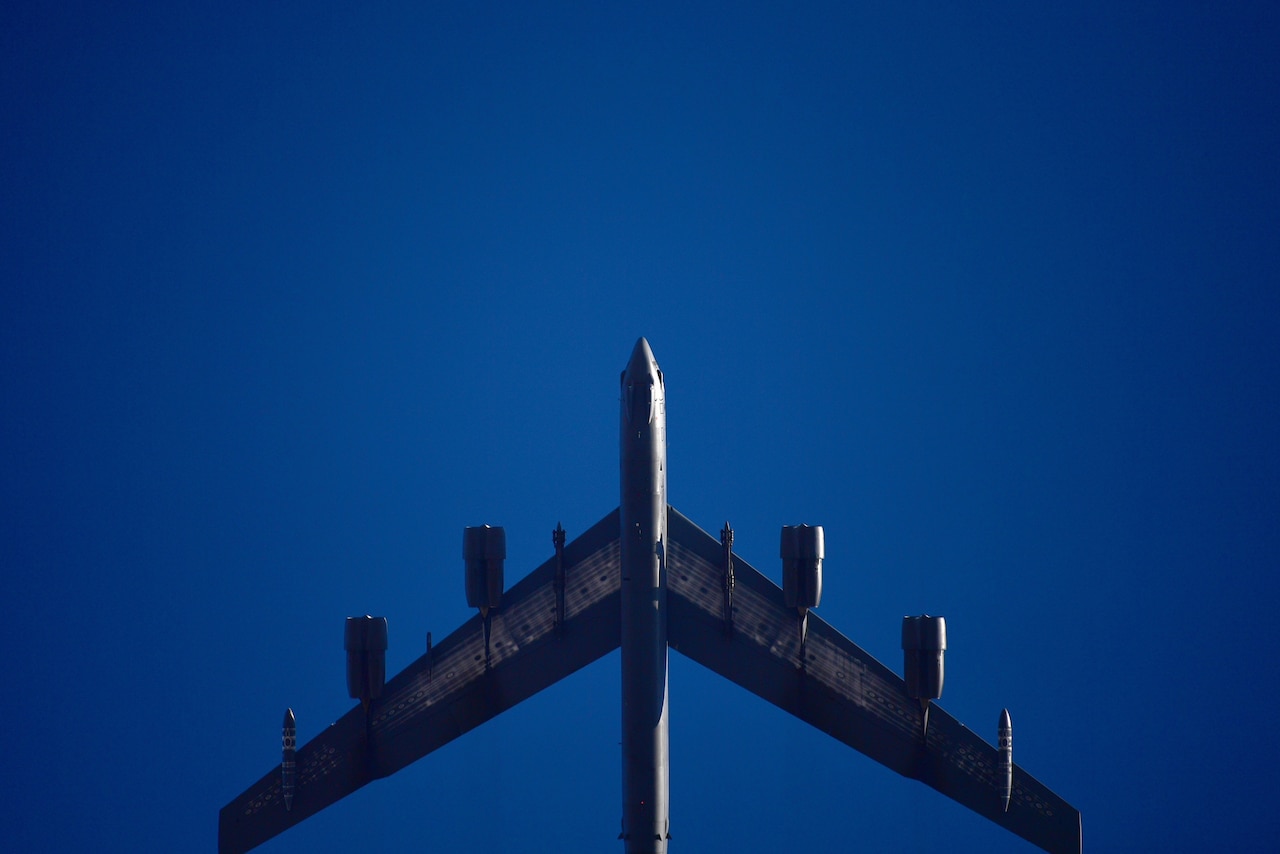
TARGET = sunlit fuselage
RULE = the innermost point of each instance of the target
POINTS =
(645, 807)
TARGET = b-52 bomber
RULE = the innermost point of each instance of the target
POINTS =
(646, 579)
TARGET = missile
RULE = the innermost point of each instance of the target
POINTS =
(288, 765)
(1005, 768)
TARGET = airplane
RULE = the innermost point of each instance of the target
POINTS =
(646, 579)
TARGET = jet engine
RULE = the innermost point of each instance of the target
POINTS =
(366, 645)
(1004, 766)
(924, 643)
(802, 550)
(484, 549)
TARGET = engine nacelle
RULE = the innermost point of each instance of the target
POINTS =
(483, 550)
(366, 646)
(1004, 765)
(802, 550)
(924, 643)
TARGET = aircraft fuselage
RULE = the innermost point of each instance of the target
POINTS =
(643, 514)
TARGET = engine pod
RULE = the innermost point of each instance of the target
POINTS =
(484, 549)
(924, 643)
(802, 548)
(366, 645)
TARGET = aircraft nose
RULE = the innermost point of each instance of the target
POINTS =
(642, 362)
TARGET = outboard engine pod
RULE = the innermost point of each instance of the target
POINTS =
(484, 549)
(802, 551)
(924, 642)
(366, 645)
(1004, 765)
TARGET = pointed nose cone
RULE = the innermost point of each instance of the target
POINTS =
(1004, 719)
(641, 385)
(288, 718)
(642, 361)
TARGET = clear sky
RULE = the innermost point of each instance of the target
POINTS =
(291, 293)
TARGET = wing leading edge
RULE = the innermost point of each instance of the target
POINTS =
(450, 691)
(840, 689)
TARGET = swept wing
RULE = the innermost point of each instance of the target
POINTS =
(451, 690)
(841, 689)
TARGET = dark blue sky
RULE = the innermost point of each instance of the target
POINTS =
(290, 294)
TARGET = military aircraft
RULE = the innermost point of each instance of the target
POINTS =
(646, 579)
